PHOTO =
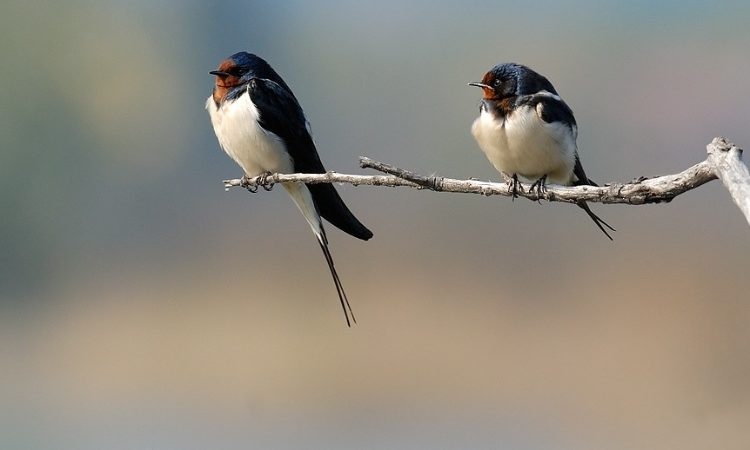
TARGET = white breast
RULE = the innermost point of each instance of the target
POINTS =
(524, 144)
(256, 150)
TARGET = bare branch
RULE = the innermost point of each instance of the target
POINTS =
(723, 161)
(637, 192)
(316, 178)
(726, 159)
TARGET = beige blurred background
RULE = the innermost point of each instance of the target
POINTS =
(142, 307)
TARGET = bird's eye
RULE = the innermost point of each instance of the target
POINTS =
(236, 71)
(498, 82)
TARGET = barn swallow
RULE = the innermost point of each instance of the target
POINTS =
(527, 130)
(260, 124)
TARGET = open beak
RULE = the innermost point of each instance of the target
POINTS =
(481, 85)
(219, 73)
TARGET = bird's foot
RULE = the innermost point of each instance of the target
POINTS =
(245, 183)
(541, 187)
(514, 186)
(265, 182)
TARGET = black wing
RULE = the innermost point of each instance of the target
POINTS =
(281, 114)
(581, 177)
(550, 108)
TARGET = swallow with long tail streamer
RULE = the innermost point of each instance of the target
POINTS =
(260, 124)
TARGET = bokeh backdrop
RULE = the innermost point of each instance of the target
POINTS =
(143, 307)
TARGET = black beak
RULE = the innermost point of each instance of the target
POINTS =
(219, 73)
(481, 85)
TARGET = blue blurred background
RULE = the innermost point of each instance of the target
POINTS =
(141, 306)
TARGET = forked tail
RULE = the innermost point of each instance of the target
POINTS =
(323, 241)
(597, 220)
(582, 179)
(304, 201)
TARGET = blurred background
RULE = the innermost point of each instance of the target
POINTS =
(143, 307)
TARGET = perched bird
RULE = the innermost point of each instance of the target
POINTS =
(261, 126)
(527, 130)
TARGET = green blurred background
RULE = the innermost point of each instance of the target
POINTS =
(141, 306)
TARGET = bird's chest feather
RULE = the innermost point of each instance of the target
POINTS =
(255, 149)
(524, 144)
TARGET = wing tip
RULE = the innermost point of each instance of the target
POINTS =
(365, 234)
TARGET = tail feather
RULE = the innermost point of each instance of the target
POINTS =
(304, 201)
(323, 241)
(597, 220)
(333, 209)
(582, 179)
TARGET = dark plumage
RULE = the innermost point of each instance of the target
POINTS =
(261, 125)
(282, 115)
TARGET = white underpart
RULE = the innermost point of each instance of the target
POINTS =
(526, 145)
(257, 150)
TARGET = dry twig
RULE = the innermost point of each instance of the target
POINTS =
(723, 161)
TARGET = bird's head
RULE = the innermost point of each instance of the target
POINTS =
(230, 74)
(234, 70)
(239, 69)
(511, 80)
